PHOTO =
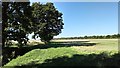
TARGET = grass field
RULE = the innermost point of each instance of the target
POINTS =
(86, 52)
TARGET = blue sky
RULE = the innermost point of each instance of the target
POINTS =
(88, 18)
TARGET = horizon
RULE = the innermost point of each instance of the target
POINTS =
(88, 35)
(88, 18)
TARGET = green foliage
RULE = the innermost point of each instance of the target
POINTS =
(20, 19)
(47, 21)
(115, 36)
(16, 21)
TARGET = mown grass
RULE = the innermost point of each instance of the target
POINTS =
(101, 45)
(103, 53)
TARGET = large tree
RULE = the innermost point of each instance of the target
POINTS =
(16, 21)
(47, 21)
(20, 19)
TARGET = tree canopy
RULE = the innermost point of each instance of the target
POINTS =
(114, 36)
(20, 19)
(47, 21)
(16, 21)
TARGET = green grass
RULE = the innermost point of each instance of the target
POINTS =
(101, 45)
(104, 53)
(41, 55)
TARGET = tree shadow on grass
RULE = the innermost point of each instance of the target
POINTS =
(10, 53)
(92, 60)
(64, 44)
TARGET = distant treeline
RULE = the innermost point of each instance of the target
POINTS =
(115, 36)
